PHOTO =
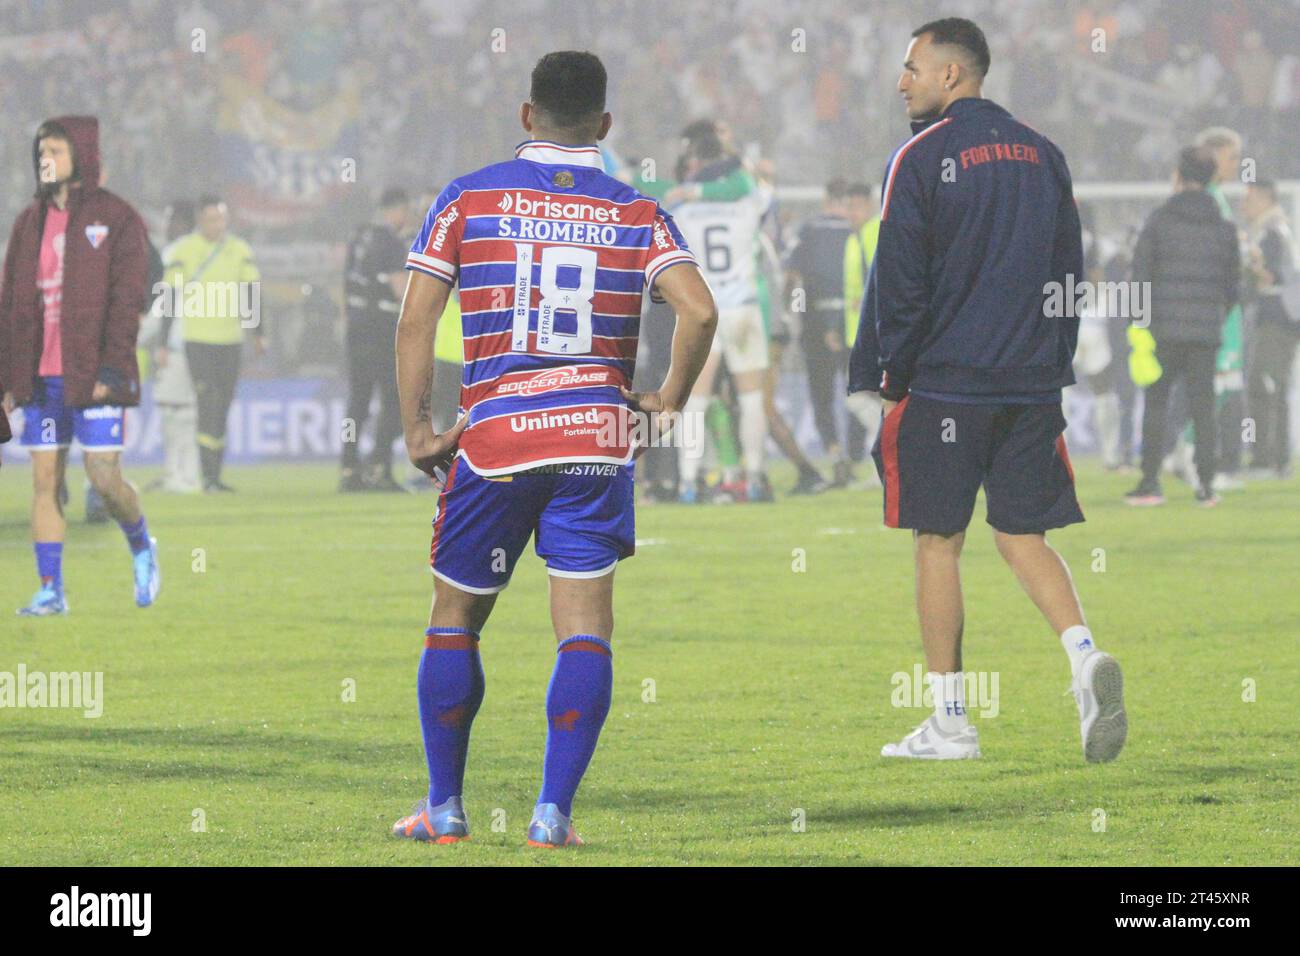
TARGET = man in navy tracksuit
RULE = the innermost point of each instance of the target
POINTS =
(968, 331)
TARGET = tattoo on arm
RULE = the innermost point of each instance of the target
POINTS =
(424, 412)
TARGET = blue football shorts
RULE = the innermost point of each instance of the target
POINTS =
(580, 516)
(48, 424)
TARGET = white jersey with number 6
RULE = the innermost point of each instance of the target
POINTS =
(724, 238)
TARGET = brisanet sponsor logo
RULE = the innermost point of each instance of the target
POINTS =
(549, 208)
(75, 908)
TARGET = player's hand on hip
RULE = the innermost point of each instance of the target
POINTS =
(429, 451)
(100, 392)
(662, 416)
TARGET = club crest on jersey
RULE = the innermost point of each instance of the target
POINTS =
(563, 179)
(96, 233)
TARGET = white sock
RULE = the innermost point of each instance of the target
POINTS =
(1077, 642)
(949, 692)
(753, 430)
(1107, 416)
(691, 453)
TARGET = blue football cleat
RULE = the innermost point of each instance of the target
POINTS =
(445, 823)
(551, 829)
(147, 577)
(48, 601)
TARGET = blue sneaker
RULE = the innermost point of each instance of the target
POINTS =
(445, 823)
(48, 601)
(551, 829)
(688, 496)
(147, 577)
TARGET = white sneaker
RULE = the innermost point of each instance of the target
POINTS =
(928, 742)
(1099, 693)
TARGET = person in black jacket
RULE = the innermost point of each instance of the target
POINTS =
(373, 287)
(968, 331)
(1188, 253)
(1275, 330)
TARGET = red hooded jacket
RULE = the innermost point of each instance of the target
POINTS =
(104, 286)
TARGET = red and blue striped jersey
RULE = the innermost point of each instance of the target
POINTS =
(552, 257)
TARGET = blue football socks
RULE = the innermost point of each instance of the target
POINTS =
(577, 702)
(450, 689)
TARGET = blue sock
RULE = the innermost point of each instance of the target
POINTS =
(450, 688)
(49, 562)
(576, 704)
(137, 535)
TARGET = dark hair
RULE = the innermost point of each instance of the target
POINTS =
(568, 88)
(206, 200)
(181, 216)
(51, 129)
(959, 32)
(1196, 165)
(858, 189)
(1269, 186)
(837, 189)
(702, 139)
(393, 196)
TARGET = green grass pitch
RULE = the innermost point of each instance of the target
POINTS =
(226, 737)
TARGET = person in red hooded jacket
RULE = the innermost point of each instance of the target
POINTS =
(74, 285)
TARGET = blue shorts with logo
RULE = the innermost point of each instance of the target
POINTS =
(580, 515)
(49, 424)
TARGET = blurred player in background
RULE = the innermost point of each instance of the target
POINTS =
(970, 364)
(1230, 379)
(219, 266)
(1275, 329)
(68, 347)
(373, 284)
(724, 235)
(551, 256)
(173, 388)
(816, 265)
(859, 251)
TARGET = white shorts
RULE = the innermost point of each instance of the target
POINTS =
(743, 339)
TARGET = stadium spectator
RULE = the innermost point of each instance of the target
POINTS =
(1275, 329)
(374, 280)
(219, 280)
(68, 353)
(1188, 253)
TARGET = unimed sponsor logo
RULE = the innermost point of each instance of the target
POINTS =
(76, 908)
(545, 420)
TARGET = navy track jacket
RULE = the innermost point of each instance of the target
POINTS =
(977, 218)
